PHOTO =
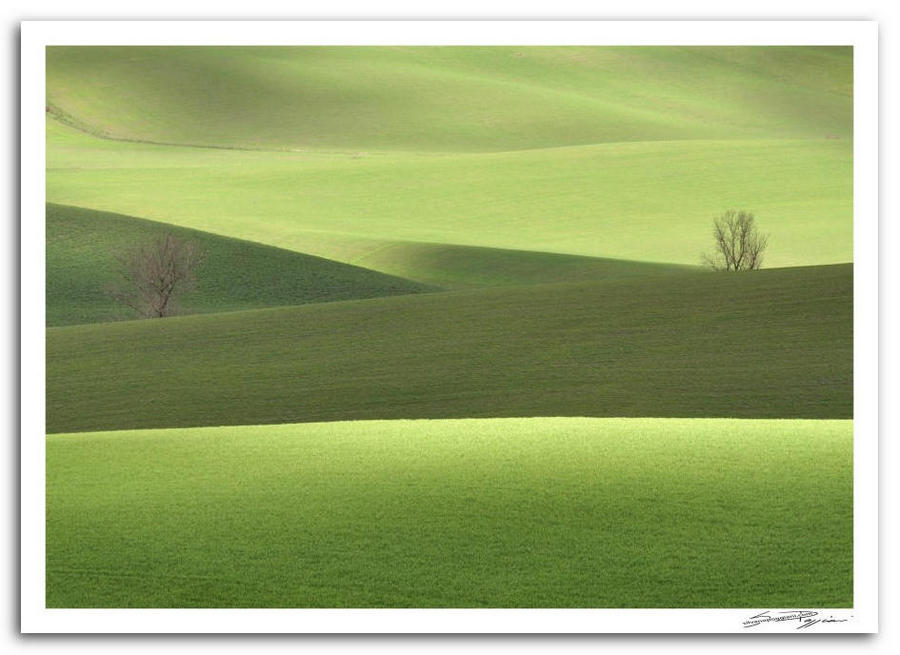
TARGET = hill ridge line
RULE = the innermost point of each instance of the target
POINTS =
(382, 244)
(167, 224)
(96, 134)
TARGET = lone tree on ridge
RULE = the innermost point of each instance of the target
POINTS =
(739, 244)
(151, 275)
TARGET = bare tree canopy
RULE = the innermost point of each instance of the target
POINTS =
(739, 244)
(154, 273)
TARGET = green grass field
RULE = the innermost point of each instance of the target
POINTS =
(500, 243)
(449, 99)
(651, 201)
(624, 177)
(82, 246)
(769, 344)
(554, 512)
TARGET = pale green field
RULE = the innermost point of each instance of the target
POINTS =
(622, 153)
(552, 512)
(450, 99)
(650, 201)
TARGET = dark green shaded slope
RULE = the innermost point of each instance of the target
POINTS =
(81, 247)
(451, 266)
(769, 344)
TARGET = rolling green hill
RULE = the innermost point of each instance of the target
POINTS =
(449, 99)
(651, 202)
(621, 153)
(472, 236)
(552, 512)
(82, 246)
(768, 344)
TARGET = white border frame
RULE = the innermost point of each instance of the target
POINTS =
(862, 35)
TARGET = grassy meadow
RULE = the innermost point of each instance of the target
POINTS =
(451, 344)
(549, 512)
(647, 201)
(82, 246)
(657, 346)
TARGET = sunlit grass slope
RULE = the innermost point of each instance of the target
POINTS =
(449, 99)
(553, 512)
(81, 263)
(651, 201)
(768, 344)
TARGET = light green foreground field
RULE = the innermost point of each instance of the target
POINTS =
(553, 512)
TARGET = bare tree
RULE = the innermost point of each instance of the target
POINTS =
(154, 273)
(739, 244)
